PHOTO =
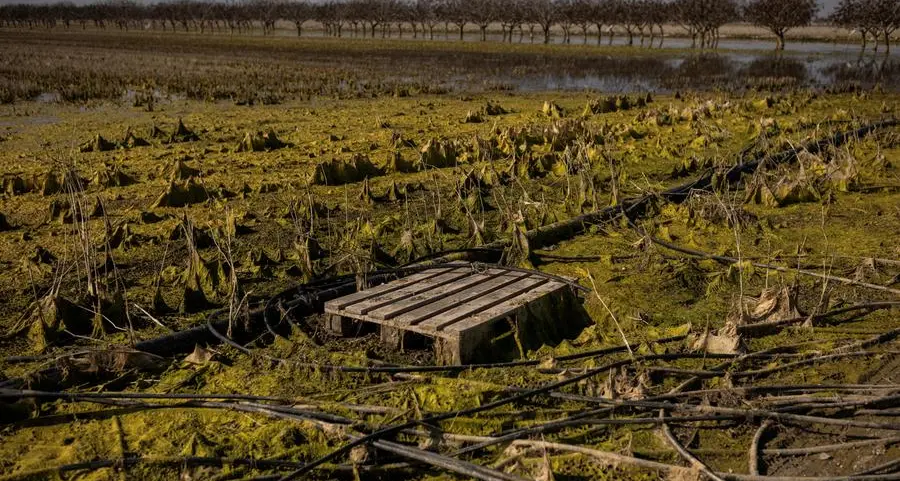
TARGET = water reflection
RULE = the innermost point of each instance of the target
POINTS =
(659, 74)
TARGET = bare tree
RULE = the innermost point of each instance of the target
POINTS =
(426, 12)
(511, 15)
(779, 16)
(299, 12)
(856, 16)
(482, 13)
(886, 15)
(544, 14)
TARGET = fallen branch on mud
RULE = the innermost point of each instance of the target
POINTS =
(731, 260)
(149, 460)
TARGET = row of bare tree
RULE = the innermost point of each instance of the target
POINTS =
(878, 19)
(637, 19)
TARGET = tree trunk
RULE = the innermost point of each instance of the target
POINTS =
(599, 33)
(887, 43)
(546, 34)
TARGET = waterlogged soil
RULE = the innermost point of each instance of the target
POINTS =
(75, 66)
(380, 182)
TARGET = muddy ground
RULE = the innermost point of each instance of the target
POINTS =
(776, 293)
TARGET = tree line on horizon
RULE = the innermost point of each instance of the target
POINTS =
(643, 20)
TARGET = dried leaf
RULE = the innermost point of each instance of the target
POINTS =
(549, 363)
(716, 344)
(545, 473)
(359, 454)
(200, 356)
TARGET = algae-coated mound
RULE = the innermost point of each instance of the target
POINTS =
(615, 104)
(182, 194)
(130, 141)
(51, 317)
(60, 211)
(439, 154)
(4, 224)
(123, 237)
(474, 117)
(338, 172)
(183, 134)
(396, 163)
(14, 185)
(788, 193)
(260, 141)
(54, 182)
(552, 110)
(178, 170)
(157, 133)
(494, 109)
(112, 176)
(97, 144)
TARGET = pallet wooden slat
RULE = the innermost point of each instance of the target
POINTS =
(384, 288)
(503, 309)
(455, 305)
(419, 307)
(368, 305)
(479, 305)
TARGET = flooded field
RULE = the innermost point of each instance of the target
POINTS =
(175, 210)
(73, 67)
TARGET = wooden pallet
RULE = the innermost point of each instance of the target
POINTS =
(456, 305)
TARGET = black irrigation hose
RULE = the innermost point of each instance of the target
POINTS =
(135, 460)
(766, 326)
(452, 414)
(450, 368)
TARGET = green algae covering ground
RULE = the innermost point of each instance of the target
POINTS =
(114, 215)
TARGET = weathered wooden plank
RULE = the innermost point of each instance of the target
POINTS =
(426, 311)
(453, 305)
(482, 303)
(458, 291)
(341, 303)
(368, 305)
(504, 308)
(342, 326)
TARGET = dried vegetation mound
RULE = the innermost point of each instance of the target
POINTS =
(51, 183)
(397, 164)
(112, 176)
(179, 170)
(616, 104)
(182, 134)
(552, 110)
(180, 194)
(339, 172)
(97, 144)
(819, 178)
(4, 224)
(53, 318)
(123, 237)
(131, 141)
(439, 154)
(260, 142)
(63, 212)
